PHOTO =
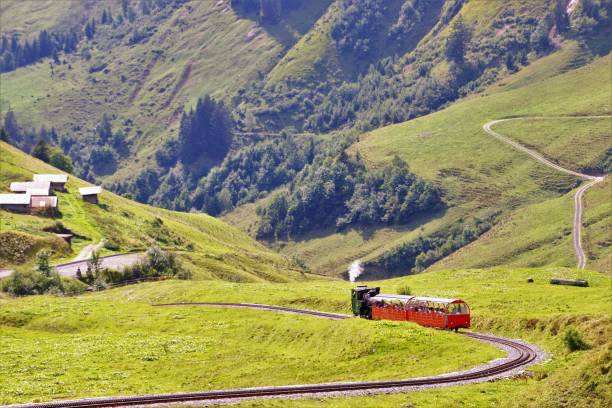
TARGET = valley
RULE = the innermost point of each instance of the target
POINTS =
(309, 194)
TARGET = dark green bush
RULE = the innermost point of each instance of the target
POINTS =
(35, 283)
(111, 245)
(573, 340)
(156, 264)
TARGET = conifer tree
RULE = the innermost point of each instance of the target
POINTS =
(42, 151)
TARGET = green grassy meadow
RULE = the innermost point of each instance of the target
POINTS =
(57, 348)
(114, 342)
(574, 143)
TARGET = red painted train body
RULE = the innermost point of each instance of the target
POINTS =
(450, 314)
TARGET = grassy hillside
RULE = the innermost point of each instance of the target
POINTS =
(106, 330)
(192, 349)
(480, 175)
(201, 47)
(478, 172)
(578, 144)
(28, 17)
(214, 249)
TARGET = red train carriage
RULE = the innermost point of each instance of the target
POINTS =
(430, 312)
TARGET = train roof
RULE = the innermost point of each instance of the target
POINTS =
(404, 298)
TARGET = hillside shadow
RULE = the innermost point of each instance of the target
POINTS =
(367, 232)
(293, 25)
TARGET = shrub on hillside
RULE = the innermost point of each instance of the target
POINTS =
(156, 264)
(573, 340)
(35, 283)
(17, 247)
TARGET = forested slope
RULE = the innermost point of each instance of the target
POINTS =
(251, 109)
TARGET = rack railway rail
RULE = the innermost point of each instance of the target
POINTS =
(521, 355)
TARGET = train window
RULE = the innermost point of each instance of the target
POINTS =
(458, 308)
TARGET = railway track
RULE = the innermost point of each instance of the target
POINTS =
(520, 356)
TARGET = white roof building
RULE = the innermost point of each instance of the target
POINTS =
(95, 190)
(43, 202)
(35, 188)
(51, 178)
(15, 199)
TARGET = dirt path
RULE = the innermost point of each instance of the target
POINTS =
(577, 227)
(88, 250)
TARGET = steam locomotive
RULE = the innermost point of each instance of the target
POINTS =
(451, 314)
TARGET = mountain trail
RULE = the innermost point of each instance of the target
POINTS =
(578, 206)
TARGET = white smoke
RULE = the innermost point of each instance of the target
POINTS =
(355, 270)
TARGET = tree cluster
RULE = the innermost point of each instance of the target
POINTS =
(591, 16)
(417, 255)
(340, 191)
(457, 41)
(252, 172)
(411, 15)
(42, 144)
(205, 131)
(52, 155)
(356, 28)
(157, 263)
(40, 280)
(105, 147)
(15, 53)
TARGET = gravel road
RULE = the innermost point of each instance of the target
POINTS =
(70, 268)
(577, 227)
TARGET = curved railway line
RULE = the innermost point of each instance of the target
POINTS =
(520, 356)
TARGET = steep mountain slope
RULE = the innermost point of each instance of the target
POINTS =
(211, 248)
(479, 173)
(482, 178)
(342, 67)
(141, 73)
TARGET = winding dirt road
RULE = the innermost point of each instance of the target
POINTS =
(519, 356)
(592, 180)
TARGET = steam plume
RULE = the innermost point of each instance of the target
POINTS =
(355, 270)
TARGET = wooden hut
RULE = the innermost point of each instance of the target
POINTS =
(34, 188)
(58, 181)
(90, 194)
(15, 202)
